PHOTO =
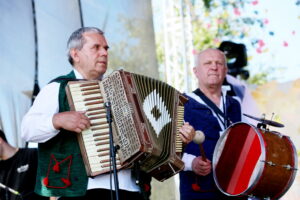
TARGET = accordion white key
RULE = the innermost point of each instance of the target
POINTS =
(147, 114)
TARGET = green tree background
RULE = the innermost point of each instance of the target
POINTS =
(214, 21)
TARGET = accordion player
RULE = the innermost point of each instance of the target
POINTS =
(147, 114)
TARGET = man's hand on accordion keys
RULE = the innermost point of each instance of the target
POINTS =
(75, 121)
(187, 132)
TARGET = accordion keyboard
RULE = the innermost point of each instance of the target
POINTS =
(94, 141)
(180, 122)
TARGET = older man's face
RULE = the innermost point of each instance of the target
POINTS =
(91, 60)
(211, 68)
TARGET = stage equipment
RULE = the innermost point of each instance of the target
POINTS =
(236, 55)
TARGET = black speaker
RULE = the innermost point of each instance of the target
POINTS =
(236, 55)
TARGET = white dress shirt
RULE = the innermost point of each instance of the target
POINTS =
(37, 127)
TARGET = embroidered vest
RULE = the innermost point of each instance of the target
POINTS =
(61, 171)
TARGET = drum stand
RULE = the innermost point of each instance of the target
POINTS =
(261, 126)
(113, 149)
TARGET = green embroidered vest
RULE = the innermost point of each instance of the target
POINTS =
(61, 171)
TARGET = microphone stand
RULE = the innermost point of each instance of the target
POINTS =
(8, 189)
(113, 149)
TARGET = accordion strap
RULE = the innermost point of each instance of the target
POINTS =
(59, 79)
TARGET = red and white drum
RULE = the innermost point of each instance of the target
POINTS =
(251, 161)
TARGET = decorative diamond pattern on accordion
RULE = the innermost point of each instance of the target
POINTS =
(147, 114)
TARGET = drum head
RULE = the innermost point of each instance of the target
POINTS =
(236, 165)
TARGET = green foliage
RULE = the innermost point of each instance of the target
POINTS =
(258, 79)
(131, 53)
(217, 20)
(202, 38)
(159, 50)
(214, 21)
(207, 3)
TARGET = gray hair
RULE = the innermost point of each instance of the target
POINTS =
(76, 40)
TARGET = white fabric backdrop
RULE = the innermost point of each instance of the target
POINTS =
(128, 28)
(55, 21)
(16, 64)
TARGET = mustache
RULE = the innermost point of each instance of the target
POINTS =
(101, 61)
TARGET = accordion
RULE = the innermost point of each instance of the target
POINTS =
(147, 114)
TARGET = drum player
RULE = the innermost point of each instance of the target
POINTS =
(210, 110)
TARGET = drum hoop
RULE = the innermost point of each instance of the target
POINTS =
(293, 176)
(214, 161)
(261, 164)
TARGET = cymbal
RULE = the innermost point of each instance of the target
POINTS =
(265, 121)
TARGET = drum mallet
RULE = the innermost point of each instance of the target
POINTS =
(199, 139)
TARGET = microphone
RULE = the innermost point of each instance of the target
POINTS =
(9, 189)
(199, 139)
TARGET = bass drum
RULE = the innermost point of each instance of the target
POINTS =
(254, 162)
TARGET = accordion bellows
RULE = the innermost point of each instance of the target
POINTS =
(147, 114)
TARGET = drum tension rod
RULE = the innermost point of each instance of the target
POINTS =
(269, 162)
(251, 196)
(289, 167)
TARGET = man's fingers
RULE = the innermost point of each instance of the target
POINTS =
(86, 122)
(77, 130)
(187, 133)
(183, 138)
(82, 126)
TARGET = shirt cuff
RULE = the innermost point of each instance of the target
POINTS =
(188, 160)
(50, 126)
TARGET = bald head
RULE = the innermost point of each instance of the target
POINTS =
(210, 69)
(202, 54)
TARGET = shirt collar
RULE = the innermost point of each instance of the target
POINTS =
(77, 74)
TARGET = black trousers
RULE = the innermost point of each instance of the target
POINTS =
(104, 194)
